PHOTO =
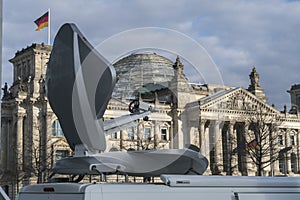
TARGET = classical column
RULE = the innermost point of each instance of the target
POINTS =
(185, 128)
(157, 135)
(152, 132)
(288, 154)
(4, 136)
(171, 136)
(274, 167)
(240, 133)
(140, 134)
(20, 133)
(48, 126)
(178, 139)
(207, 146)
(202, 138)
(157, 130)
(12, 154)
(28, 145)
(233, 150)
(217, 148)
(219, 145)
(43, 144)
(249, 165)
(121, 139)
(180, 136)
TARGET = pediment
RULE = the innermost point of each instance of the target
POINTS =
(235, 99)
(60, 143)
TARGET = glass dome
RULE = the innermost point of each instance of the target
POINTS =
(139, 73)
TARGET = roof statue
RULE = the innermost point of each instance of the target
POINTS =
(79, 85)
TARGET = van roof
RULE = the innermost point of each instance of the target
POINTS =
(229, 181)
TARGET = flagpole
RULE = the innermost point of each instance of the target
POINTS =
(49, 21)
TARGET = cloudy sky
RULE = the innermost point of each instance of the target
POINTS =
(237, 34)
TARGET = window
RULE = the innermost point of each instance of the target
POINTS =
(280, 140)
(293, 163)
(59, 154)
(114, 135)
(130, 133)
(147, 133)
(281, 163)
(163, 134)
(292, 139)
(56, 129)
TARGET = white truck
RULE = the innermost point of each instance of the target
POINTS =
(174, 187)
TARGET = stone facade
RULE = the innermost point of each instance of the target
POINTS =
(28, 141)
(220, 120)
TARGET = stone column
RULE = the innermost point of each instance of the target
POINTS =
(288, 163)
(202, 139)
(178, 139)
(171, 136)
(240, 133)
(48, 126)
(249, 165)
(4, 134)
(217, 148)
(185, 128)
(157, 135)
(43, 144)
(288, 154)
(12, 153)
(152, 132)
(175, 128)
(28, 145)
(180, 133)
(219, 145)
(19, 138)
(274, 167)
(233, 151)
(207, 148)
(157, 130)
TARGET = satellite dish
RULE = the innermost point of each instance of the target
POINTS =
(77, 77)
(74, 82)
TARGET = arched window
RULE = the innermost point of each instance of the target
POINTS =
(56, 129)
(293, 163)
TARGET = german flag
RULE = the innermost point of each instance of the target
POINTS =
(42, 22)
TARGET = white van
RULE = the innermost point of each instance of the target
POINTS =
(174, 187)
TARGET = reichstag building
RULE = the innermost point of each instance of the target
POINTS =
(234, 127)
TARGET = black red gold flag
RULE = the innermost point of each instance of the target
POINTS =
(42, 22)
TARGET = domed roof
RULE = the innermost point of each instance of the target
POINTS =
(139, 70)
(150, 62)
